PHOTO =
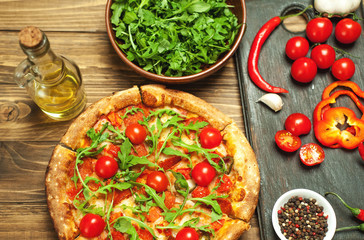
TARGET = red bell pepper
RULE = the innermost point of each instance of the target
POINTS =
(338, 127)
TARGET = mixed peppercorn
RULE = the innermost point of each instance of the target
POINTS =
(302, 218)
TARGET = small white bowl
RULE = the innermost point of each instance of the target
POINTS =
(305, 193)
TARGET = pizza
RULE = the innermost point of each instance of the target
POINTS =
(152, 163)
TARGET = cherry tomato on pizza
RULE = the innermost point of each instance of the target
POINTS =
(106, 167)
(303, 70)
(203, 173)
(323, 55)
(187, 234)
(298, 124)
(347, 31)
(287, 141)
(158, 181)
(318, 30)
(92, 225)
(136, 133)
(312, 154)
(343, 69)
(210, 137)
(297, 47)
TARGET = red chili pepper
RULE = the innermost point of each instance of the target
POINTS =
(338, 127)
(357, 212)
(361, 150)
(257, 44)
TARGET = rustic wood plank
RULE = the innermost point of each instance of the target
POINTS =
(282, 171)
(26, 221)
(22, 170)
(67, 15)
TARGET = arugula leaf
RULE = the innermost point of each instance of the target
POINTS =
(211, 201)
(205, 152)
(151, 192)
(123, 224)
(174, 152)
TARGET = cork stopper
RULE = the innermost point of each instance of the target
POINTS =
(30, 36)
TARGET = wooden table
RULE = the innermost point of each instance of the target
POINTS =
(76, 29)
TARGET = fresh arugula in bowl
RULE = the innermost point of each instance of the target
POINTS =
(174, 38)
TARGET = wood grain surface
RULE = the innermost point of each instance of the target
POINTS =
(76, 29)
(343, 170)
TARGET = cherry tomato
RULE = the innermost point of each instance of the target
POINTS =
(318, 30)
(136, 133)
(287, 141)
(203, 173)
(158, 181)
(187, 234)
(343, 69)
(210, 137)
(298, 124)
(92, 225)
(311, 154)
(297, 47)
(303, 70)
(106, 167)
(347, 31)
(323, 55)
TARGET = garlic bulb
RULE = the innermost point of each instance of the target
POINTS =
(336, 7)
(272, 100)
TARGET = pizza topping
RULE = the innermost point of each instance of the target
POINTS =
(92, 225)
(203, 173)
(225, 206)
(187, 234)
(136, 133)
(158, 181)
(106, 167)
(149, 176)
(153, 214)
(224, 184)
(210, 137)
(200, 192)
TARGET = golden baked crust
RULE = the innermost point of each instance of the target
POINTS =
(155, 95)
(232, 230)
(77, 131)
(246, 189)
(61, 211)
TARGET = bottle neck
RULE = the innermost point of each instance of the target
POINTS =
(47, 66)
(42, 53)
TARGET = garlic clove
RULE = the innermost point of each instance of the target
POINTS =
(336, 7)
(272, 100)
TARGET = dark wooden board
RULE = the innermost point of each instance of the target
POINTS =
(342, 171)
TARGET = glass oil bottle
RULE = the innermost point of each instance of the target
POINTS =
(53, 82)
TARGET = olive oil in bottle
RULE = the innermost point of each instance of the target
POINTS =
(53, 82)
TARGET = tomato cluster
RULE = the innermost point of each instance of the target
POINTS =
(323, 56)
(288, 140)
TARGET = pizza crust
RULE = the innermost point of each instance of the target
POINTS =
(247, 170)
(61, 211)
(232, 230)
(77, 131)
(155, 95)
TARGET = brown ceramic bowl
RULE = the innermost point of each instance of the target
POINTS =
(239, 10)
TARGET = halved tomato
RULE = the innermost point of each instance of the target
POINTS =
(287, 141)
(311, 154)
